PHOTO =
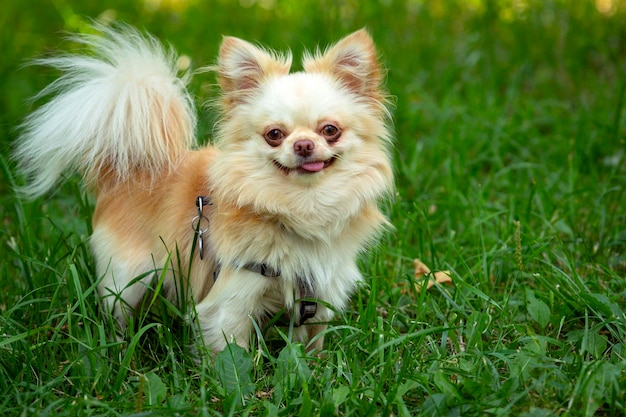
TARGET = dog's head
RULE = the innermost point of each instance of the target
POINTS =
(317, 138)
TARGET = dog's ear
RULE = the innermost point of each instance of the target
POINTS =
(353, 61)
(242, 66)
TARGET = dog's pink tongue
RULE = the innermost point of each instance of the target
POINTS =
(313, 166)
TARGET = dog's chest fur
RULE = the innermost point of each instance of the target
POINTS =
(325, 261)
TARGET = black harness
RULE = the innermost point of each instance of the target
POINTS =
(308, 308)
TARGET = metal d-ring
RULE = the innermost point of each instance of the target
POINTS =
(196, 222)
(195, 226)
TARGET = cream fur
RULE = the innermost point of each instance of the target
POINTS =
(123, 119)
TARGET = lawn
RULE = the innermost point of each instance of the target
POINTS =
(510, 166)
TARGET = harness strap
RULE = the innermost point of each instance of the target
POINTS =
(263, 269)
(308, 308)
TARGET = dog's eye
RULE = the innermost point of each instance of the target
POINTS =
(274, 137)
(331, 133)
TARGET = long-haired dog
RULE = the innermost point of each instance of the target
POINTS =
(271, 218)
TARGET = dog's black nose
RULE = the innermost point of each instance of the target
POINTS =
(304, 147)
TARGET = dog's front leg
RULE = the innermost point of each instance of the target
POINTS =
(312, 335)
(225, 315)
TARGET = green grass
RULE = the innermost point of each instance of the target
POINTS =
(510, 166)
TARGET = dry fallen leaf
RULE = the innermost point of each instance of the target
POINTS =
(421, 270)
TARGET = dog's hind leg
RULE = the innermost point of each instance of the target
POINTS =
(121, 296)
(126, 273)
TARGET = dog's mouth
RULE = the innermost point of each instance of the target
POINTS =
(309, 167)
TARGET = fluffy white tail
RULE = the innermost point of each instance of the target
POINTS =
(121, 109)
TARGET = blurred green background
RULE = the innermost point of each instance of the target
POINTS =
(552, 48)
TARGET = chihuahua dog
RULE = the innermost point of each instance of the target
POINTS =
(270, 218)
